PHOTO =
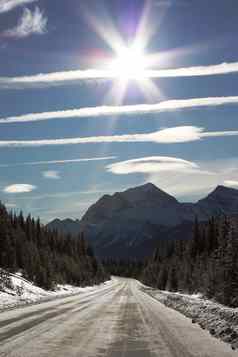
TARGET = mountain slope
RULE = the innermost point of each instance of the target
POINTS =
(129, 224)
(223, 200)
(143, 203)
(65, 226)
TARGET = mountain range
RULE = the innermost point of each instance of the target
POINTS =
(129, 224)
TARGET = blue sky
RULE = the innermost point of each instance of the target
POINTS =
(193, 146)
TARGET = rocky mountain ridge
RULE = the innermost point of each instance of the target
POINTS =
(129, 223)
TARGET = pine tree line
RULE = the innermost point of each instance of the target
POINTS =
(45, 257)
(208, 263)
(124, 268)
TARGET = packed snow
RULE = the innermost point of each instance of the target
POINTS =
(25, 292)
(219, 320)
(115, 319)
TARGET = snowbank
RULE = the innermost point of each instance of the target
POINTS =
(219, 320)
(24, 292)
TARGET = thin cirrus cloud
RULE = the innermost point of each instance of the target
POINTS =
(19, 188)
(64, 194)
(73, 77)
(60, 162)
(31, 22)
(9, 5)
(179, 134)
(90, 112)
(51, 174)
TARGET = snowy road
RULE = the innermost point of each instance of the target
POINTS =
(112, 320)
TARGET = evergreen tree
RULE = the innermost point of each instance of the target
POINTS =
(207, 263)
(46, 258)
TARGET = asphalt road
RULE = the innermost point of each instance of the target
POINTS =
(117, 319)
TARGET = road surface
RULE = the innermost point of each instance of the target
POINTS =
(113, 320)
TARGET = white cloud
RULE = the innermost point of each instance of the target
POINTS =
(151, 165)
(51, 174)
(8, 5)
(231, 183)
(76, 76)
(181, 178)
(179, 134)
(61, 162)
(19, 188)
(193, 185)
(31, 22)
(165, 106)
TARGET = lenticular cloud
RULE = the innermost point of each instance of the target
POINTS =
(151, 164)
(19, 188)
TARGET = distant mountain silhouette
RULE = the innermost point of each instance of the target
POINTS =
(129, 224)
(65, 226)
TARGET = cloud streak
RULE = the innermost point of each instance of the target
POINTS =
(101, 111)
(19, 188)
(60, 162)
(51, 174)
(73, 77)
(179, 134)
(8, 5)
(31, 22)
(64, 194)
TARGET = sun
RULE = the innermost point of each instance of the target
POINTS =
(129, 64)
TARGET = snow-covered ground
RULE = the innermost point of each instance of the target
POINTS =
(219, 320)
(114, 319)
(24, 292)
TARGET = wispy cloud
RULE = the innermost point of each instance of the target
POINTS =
(51, 174)
(8, 5)
(60, 195)
(76, 76)
(90, 112)
(231, 183)
(179, 134)
(31, 22)
(19, 188)
(60, 162)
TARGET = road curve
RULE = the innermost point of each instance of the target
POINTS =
(114, 320)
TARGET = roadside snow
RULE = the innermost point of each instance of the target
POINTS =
(24, 292)
(219, 320)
